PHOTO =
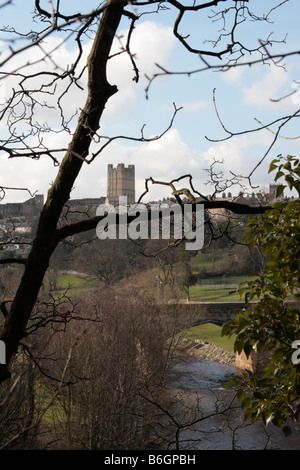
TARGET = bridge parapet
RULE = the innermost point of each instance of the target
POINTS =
(208, 312)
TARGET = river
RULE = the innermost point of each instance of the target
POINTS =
(200, 385)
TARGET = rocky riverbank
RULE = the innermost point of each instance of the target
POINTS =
(209, 351)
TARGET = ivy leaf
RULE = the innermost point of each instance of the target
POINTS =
(273, 165)
(280, 190)
(279, 174)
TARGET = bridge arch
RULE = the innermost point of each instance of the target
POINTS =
(201, 313)
(214, 321)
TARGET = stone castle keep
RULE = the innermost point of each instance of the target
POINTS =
(121, 182)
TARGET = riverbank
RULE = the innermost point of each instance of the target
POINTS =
(197, 385)
(205, 350)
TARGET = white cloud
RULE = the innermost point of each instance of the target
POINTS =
(146, 42)
(165, 159)
(269, 85)
(170, 157)
(229, 151)
(146, 47)
(194, 106)
(240, 155)
(31, 174)
(233, 75)
(37, 175)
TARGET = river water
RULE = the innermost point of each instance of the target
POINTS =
(200, 385)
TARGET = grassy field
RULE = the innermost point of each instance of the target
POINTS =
(53, 411)
(75, 284)
(146, 282)
(210, 333)
(224, 280)
(210, 294)
(207, 262)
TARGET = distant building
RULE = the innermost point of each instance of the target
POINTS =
(120, 182)
(28, 209)
(272, 193)
(219, 215)
(85, 204)
(255, 199)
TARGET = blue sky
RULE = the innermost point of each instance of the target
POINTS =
(242, 94)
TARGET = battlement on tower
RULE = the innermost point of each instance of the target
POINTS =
(121, 182)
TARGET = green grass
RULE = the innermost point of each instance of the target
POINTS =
(210, 333)
(146, 281)
(206, 262)
(53, 412)
(210, 294)
(225, 280)
(147, 284)
(75, 284)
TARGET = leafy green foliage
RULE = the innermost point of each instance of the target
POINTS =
(289, 169)
(272, 325)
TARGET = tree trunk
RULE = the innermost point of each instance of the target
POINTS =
(46, 239)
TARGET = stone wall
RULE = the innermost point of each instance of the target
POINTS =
(255, 363)
(197, 347)
(209, 351)
(29, 209)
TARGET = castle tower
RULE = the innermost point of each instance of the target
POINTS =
(272, 193)
(121, 182)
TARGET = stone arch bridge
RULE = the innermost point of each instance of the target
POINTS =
(200, 313)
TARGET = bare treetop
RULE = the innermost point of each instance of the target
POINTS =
(37, 82)
(36, 78)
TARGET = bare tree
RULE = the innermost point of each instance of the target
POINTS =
(116, 349)
(38, 87)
